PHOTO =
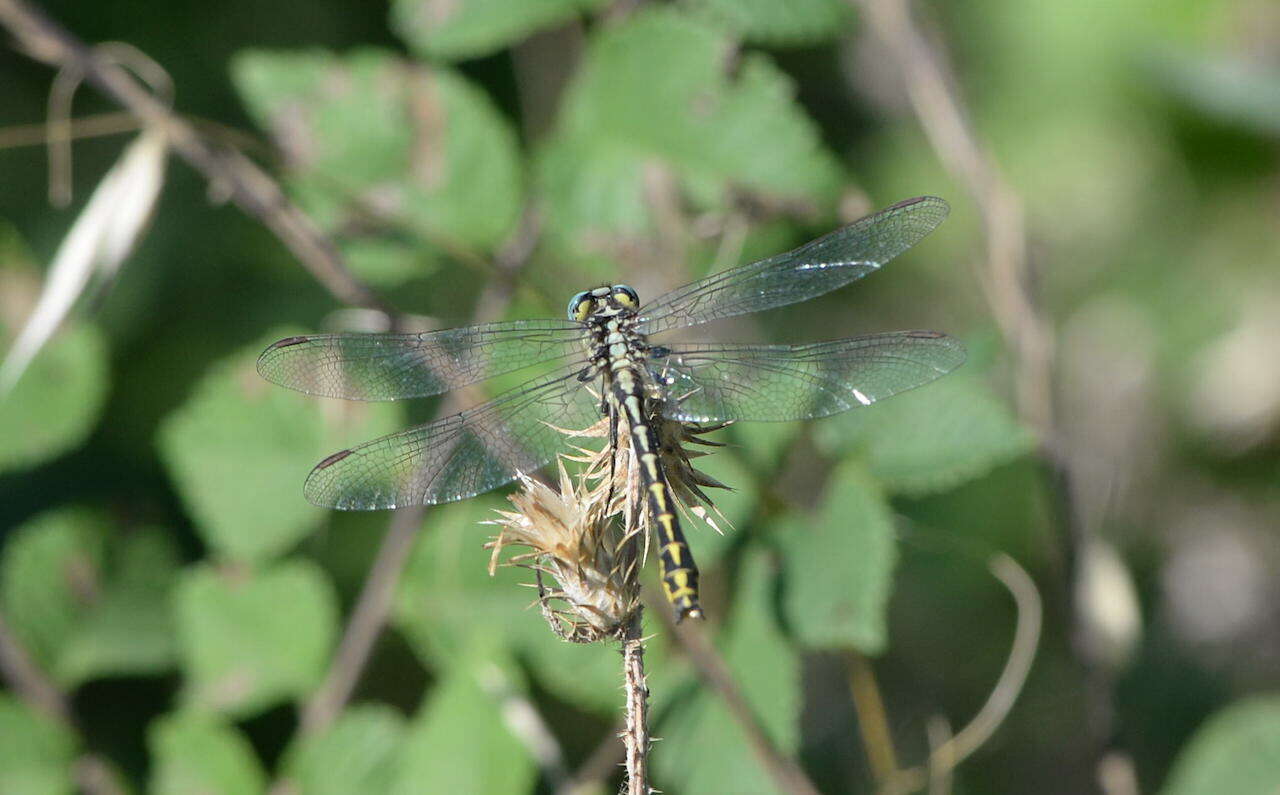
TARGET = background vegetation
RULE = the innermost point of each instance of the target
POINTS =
(1116, 430)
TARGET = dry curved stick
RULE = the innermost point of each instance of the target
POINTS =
(1026, 637)
(227, 170)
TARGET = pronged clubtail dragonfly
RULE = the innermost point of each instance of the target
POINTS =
(611, 367)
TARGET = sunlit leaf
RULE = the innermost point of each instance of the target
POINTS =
(358, 753)
(459, 742)
(456, 30)
(56, 402)
(658, 101)
(35, 752)
(838, 564)
(1236, 751)
(929, 439)
(795, 22)
(252, 639)
(86, 601)
(402, 160)
(704, 748)
(195, 753)
(240, 449)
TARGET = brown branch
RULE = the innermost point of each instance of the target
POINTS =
(872, 720)
(636, 736)
(373, 605)
(28, 681)
(227, 170)
(715, 673)
(1024, 324)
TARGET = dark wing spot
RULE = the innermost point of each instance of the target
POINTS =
(926, 335)
(286, 342)
(333, 459)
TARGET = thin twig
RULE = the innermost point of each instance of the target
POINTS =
(636, 736)
(227, 170)
(1026, 637)
(28, 681)
(373, 605)
(872, 720)
(946, 124)
(716, 674)
(1024, 324)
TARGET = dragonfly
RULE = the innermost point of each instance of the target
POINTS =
(611, 363)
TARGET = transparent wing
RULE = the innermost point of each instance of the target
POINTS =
(395, 366)
(815, 268)
(708, 382)
(461, 455)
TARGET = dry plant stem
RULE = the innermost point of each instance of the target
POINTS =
(1005, 278)
(1026, 637)
(1023, 323)
(373, 605)
(715, 673)
(636, 735)
(366, 622)
(28, 681)
(228, 171)
(872, 720)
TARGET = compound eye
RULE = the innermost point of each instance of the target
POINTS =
(626, 296)
(579, 306)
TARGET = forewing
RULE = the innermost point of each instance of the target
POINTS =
(707, 382)
(815, 268)
(395, 366)
(462, 455)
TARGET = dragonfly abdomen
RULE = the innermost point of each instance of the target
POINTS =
(679, 572)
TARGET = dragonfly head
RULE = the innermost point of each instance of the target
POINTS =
(603, 301)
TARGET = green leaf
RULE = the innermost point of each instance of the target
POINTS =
(251, 639)
(409, 154)
(360, 752)
(654, 99)
(1234, 89)
(130, 630)
(458, 30)
(795, 22)
(930, 439)
(36, 753)
(86, 601)
(194, 753)
(839, 565)
(240, 448)
(1236, 751)
(703, 747)
(57, 401)
(460, 743)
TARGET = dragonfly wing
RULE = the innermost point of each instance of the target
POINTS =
(395, 366)
(462, 455)
(815, 268)
(707, 382)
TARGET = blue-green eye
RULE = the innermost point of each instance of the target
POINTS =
(575, 303)
(626, 296)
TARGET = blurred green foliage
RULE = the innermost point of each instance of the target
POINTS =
(158, 562)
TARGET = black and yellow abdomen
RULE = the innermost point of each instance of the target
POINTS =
(679, 573)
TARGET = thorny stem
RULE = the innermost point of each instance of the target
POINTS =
(636, 734)
(227, 170)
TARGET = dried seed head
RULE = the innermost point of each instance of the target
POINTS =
(586, 535)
